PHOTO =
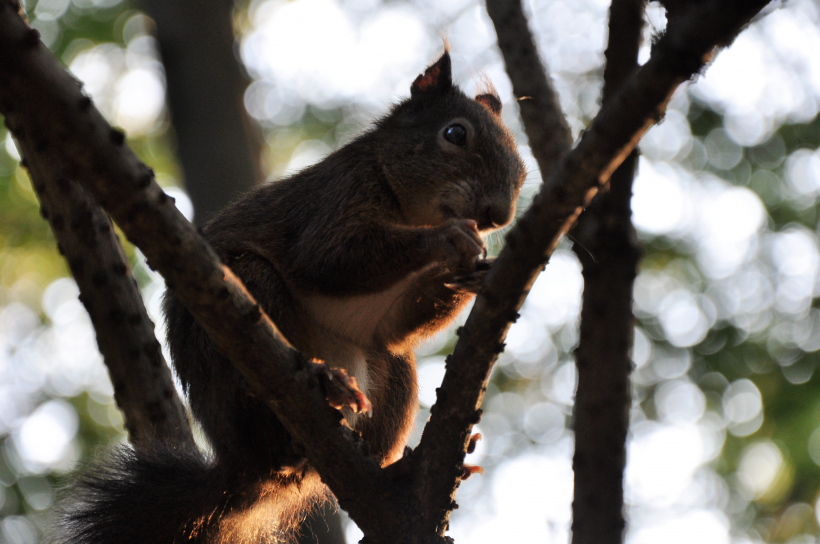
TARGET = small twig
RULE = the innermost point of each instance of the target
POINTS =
(545, 124)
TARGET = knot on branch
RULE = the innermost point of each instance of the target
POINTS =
(117, 137)
(477, 416)
(146, 179)
(469, 470)
(31, 39)
(253, 315)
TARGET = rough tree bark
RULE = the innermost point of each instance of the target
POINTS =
(609, 252)
(143, 386)
(410, 501)
(40, 98)
(219, 147)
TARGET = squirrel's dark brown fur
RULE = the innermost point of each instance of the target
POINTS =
(356, 259)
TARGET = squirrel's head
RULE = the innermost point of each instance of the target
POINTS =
(446, 155)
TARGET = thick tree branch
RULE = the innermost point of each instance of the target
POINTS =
(610, 256)
(143, 386)
(679, 55)
(219, 147)
(544, 122)
(45, 102)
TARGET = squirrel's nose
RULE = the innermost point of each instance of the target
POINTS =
(495, 215)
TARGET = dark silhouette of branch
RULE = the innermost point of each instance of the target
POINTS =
(544, 122)
(40, 99)
(219, 147)
(143, 386)
(680, 54)
(610, 255)
(550, 139)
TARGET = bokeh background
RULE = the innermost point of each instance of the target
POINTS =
(725, 438)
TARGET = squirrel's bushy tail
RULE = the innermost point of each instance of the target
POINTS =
(167, 496)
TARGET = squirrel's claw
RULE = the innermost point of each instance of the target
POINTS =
(341, 390)
(464, 284)
(471, 282)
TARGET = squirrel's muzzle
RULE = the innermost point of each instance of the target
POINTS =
(495, 214)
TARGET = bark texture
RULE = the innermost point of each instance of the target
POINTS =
(610, 255)
(39, 98)
(143, 386)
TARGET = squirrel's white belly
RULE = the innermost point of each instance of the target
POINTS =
(347, 325)
(355, 318)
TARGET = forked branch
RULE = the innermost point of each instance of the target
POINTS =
(614, 133)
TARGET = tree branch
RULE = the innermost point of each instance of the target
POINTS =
(546, 127)
(679, 55)
(44, 101)
(610, 255)
(143, 386)
(218, 145)
(550, 139)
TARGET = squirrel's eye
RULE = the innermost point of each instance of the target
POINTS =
(456, 134)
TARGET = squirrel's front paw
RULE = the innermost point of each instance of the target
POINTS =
(471, 281)
(341, 390)
(462, 245)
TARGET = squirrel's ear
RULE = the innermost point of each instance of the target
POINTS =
(491, 102)
(436, 78)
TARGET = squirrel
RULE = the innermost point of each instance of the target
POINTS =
(356, 259)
